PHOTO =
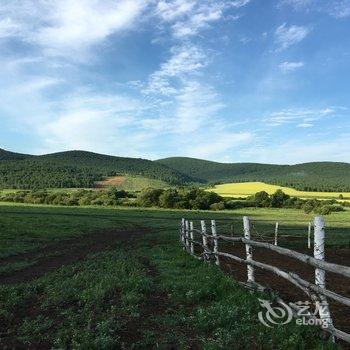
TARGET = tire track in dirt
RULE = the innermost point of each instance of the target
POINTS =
(64, 253)
(156, 305)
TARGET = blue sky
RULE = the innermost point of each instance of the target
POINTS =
(233, 81)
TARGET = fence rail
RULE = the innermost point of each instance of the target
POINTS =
(209, 244)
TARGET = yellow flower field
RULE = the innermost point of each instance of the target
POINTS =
(245, 189)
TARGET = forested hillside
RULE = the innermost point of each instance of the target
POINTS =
(7, 155)
(76, 169)
(84, 169)
(318, 176)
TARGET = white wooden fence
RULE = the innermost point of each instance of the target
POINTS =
(209, 251)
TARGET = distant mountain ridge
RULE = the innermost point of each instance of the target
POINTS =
(315, 176)
(76, 169)
(7, 155)
(84, 169)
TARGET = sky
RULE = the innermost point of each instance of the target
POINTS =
(226, 80)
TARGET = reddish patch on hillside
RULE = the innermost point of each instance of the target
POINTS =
(111, 181)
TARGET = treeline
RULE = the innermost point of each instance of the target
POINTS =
(317, 176)
(172, 198)
(110, 197)
(78, 169)
(183, 198)
(282, 200)
(199, 199)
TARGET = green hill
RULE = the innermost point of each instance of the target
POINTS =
(318, 176)
(76, 169)
(83, 169)
(7, 155)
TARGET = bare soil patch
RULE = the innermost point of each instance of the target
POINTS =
(64, 252)
(111, 181)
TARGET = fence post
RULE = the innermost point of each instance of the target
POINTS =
(309, 236)
(248, 249)
(192, 236)
(182, 233)
(205, 241)
(276, 233)
(233, 233)
(187, 230)
(320, 275)
(216, 242)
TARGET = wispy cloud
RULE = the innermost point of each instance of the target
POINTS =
(188, 18)
(66, 28)
(217, 144)
(339, 9)
(287, 67)
(305, 125)
(185, 60)
(172, 10)
(86, 118)
(286, 36)
(299, 117)
(296, 4)
(335, 8)
(294, 151)
(8, 28)
(197, 105)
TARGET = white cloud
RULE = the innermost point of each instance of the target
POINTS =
(95, 122)
(305, 125)
(184, 104)
(298, 117)
(214, 143)
(198, 21)
(339, 9)
(64, 28)
(8, 28)
(296, 4)
(171, 10)
(286, 66)
(286, 36)
(188, 18)
(197, 105)
(294, 151)
(238, 3)
(334, 8)
(185, 60)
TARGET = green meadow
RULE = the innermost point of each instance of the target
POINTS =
(140, 291)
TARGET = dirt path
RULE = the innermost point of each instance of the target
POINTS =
(156, 304)
(53, 256)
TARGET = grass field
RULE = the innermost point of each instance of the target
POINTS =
(88, 278)
(245, 189)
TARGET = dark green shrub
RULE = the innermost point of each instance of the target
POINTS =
(278, 199)
(150, 197)
(328, 209)
(217, 206)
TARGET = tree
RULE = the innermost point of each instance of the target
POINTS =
(150, 197)
(169, 198)
(278, 199)
(262, 199)
(205, 199)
